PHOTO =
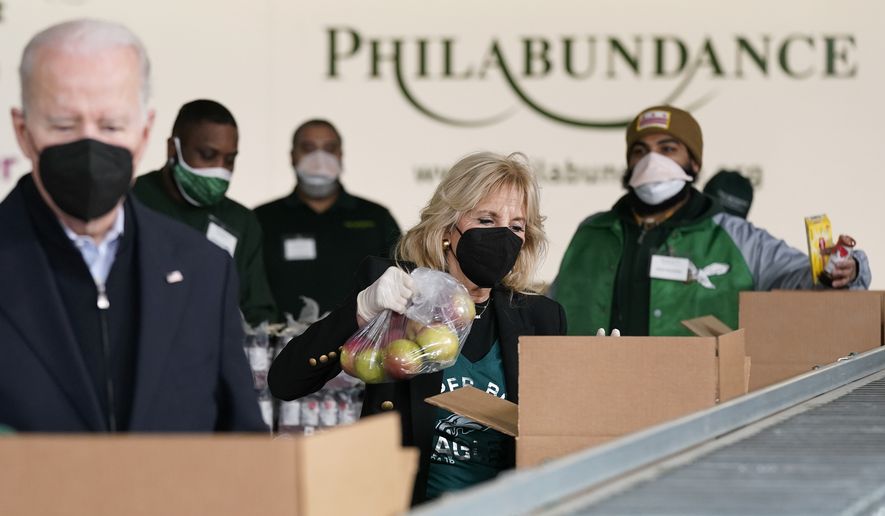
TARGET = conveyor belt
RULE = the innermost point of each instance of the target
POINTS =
(827, 460)
(811, 445)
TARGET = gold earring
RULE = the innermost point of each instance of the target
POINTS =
(446, 244)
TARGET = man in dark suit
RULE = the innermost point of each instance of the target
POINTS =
(112, 318)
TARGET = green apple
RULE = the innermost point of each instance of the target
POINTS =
(349, 350)
(402, 359)
(347, 357)
(439, 344)
(413, 328)
(369, 366)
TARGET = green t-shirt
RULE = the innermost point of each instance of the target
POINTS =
(231, 226)
(465, 453)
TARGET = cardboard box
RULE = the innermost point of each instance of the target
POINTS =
(577, 392)
(359, 469)
(790, 332)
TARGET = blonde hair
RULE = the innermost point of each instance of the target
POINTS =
(462, 188)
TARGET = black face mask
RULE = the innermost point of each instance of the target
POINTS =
(486, 255)
(86, 178)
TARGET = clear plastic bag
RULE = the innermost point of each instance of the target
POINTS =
(428, 338)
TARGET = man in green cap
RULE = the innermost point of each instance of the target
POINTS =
(666, 252)
(191, 188)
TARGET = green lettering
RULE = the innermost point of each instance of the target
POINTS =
(569, 66)
(533, 54)
(784, 57)
(448, 67)
(707, 56)
(378, 57)
(836, 55)
(618, 49)
(334, 55)
(745, 48)
(493, 58)
(661, 56)
(422, 58)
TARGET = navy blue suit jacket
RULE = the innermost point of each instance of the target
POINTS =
(191, 372)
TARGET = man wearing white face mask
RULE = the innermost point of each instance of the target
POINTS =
(666, 252)
(191, 188)
(316, 237)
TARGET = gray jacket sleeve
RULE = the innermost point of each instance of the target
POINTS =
(776, 265)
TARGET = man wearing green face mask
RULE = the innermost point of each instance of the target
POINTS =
(191, 188)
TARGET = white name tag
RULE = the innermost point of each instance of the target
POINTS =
(668, 268)
(221, 237)
(300, 248)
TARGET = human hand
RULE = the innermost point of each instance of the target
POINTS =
(845, 272)
(389, 292)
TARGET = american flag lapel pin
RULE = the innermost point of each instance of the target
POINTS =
(174, 277)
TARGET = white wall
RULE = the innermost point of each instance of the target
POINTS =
(813, 136)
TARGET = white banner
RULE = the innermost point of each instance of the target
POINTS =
(787, 92)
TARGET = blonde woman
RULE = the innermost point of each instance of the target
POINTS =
(482, 226)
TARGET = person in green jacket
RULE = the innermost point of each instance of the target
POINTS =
(191, 188)
(666, 252)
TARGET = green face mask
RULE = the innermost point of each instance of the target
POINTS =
(199, 186)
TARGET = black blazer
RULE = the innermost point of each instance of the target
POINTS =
(191, 372)
(293, 374)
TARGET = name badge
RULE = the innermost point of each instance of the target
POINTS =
(300, 248)
(669, 268)
(221, 237)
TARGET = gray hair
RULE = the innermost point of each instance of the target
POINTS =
(84, 36)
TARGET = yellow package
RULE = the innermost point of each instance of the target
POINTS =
(820, 236)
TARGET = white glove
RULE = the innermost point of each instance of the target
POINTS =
(389, 292)
(601, 332)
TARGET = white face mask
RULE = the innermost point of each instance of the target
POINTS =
(656, 168)
(316, 187)
(319, 163)
(318, 173)
(656, 193)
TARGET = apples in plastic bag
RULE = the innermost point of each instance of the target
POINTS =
(426, 339)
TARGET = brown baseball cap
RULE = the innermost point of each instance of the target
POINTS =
(669, 120)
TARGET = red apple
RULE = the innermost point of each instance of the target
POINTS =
(397, 328)
(460, 310)
(350, 349)
(369, 365)
(402, 359)
(439, 344)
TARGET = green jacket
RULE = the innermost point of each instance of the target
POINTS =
(727, 255)
(227, 217)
